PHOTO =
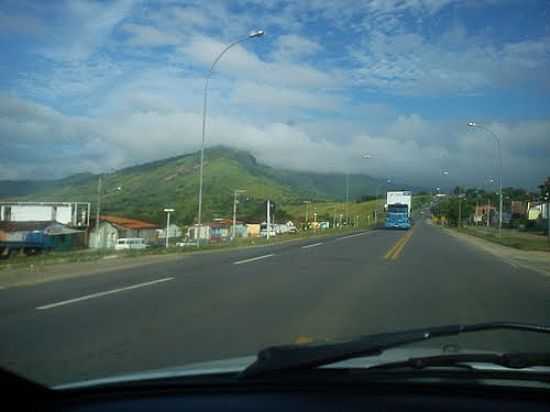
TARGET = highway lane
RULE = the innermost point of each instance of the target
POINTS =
(26, 298)
(232, 303)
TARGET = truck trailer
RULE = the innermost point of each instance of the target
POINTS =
(398, 210)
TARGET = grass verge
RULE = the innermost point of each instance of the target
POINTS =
(89, 255)
(510, 237)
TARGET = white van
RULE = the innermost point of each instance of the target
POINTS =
(130, 243)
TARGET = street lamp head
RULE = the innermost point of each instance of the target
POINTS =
(169, 210)
(257, 33)
(471, 124)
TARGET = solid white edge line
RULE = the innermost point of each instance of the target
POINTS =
(313, 245)
(100, 294)
(240, 262)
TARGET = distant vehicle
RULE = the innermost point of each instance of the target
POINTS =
(398, 210)
(263, 230)
(185, 243)
(130, 243)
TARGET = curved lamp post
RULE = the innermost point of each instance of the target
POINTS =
(499, 153)
(252, 35)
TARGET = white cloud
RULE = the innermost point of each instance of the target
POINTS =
(139, 136)
(84, 28)
(455, 63)
(241, 63)
(293, 47)
(148, 36)
(249, 93)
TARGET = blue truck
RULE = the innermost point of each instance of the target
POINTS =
(398, 210)
(33, 243)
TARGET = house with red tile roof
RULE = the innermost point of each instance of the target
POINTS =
(112, 228)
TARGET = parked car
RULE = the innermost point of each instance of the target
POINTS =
(186, 242)
(130, 243)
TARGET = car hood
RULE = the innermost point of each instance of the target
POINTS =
(235, 365)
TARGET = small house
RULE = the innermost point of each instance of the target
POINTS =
(112, 228)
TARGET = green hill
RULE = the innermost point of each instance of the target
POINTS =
(148, 188)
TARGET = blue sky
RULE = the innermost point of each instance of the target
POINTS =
(91, 86)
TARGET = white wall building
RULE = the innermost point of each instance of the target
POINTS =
(67, 213)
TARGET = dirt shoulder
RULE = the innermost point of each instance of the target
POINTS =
(534, 260)
(32, 274)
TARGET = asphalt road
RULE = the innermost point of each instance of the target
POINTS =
(233, 303)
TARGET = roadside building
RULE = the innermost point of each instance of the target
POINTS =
(518, 209)
(537, 214)
(484, 212)
(195, 232)
(74, 214)
(50, 235)
(112, 228)
(253, 229)
(174, 232)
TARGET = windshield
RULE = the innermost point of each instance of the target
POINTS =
(191, 181)
(398, 209)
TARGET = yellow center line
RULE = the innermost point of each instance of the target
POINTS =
(402, 245)
(396, 249)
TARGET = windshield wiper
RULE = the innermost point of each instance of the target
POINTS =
(295, 357)
(506, 360)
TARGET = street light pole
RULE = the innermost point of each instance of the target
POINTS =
(499, 150)
(167, 211)
(346, 207)
(307, 202)
(388, 181)
(98, 209)
(235, 193)
(254, 34)
(346, 211)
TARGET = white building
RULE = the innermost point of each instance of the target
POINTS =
(68, 213)
(174, 231)
(112, 228)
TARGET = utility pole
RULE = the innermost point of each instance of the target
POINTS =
(268, 218)
(488, 211)
(235, 193)
(98, 209)
(234, 214)
(167, 211)
(98, 239)
(347, 196)
(459, 210)
(307, 202)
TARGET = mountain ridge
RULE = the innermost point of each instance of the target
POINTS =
(173, 182)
